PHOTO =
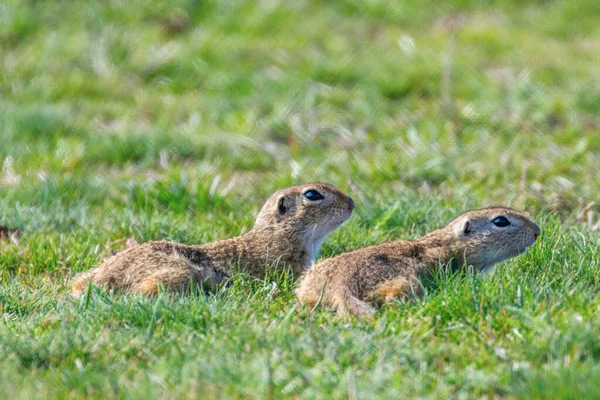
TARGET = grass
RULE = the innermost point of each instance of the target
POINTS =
(175, 120)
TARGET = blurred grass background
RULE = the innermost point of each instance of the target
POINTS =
(175, 120)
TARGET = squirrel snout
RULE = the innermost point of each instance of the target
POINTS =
(536, 230)
(350, 204)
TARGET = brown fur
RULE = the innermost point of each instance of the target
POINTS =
(352, 282)
(287, 233)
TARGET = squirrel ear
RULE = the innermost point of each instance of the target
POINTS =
(463, 228)
(281, 205)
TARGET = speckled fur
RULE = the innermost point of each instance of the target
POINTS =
(353, 282)
(287, 234)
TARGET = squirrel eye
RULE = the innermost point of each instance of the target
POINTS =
(501, 222)
(313, 195)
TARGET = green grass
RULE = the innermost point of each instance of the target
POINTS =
(175, 120)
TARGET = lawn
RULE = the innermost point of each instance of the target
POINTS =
(176, 120)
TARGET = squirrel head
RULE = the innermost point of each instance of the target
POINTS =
(310, 212)
(491, 235)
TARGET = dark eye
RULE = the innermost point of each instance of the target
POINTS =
(313, 195)
(501, 222)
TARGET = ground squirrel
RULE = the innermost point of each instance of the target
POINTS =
(352, 282)
(288, 231)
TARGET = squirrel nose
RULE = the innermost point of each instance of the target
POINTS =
(350, 204)
(536, 231)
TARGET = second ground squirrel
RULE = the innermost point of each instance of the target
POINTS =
(288, 231)
(354, 281)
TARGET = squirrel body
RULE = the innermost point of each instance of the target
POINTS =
(353, 282)
(288, 231)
